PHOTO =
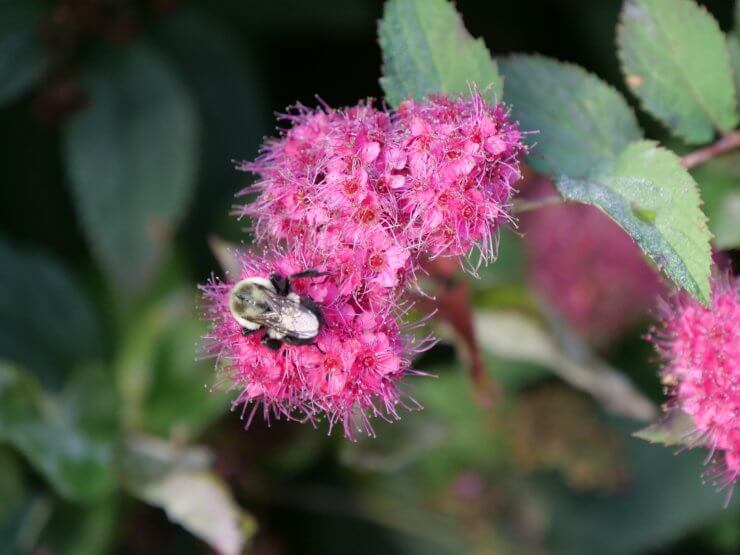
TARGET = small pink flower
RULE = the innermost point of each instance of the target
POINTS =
(701, 349)
(385, 257)
(328, 366)
(377, 355)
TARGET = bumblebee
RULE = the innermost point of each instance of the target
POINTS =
(258, 303)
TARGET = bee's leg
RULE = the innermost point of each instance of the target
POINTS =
(309, 274)
(296, 341)
(247, 331)
(281, 284)
(271, 343)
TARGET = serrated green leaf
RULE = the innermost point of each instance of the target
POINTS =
(719, 181)
(426, 49)
(67, 445)
(674, 58)
(46, 323)
(131, 157)
(178, 481)
(580, 122)
(674, 428)
(646, 177)
(22, 57)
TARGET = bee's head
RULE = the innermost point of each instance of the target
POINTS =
(248, 299)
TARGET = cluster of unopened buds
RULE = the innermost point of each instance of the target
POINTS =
(347, 205)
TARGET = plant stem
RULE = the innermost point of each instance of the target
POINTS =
(727, 143)
(527, 205)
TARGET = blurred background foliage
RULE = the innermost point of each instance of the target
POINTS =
(119, 119)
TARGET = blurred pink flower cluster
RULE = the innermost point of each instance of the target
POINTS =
(701, 349)
(361, 195)
(587, 267)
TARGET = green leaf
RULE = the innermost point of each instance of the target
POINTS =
(165, 391)
(16, 502)
(674, 58)
(397, 445)
(733, 47)
(455, 421)
(20, 530)
(227, 87)
(131, 157)
(71, 447)
(199, 501)
(22, 57)
(580, 122)
(426, 49)
(46, 323)
(719, 181)
(181, 401)
(514, 336)
(468, 431)
(75, 529)
(674, 428)
(12, 488)
(647, 179)
(179, 482)
(667, 488)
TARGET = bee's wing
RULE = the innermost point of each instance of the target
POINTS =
(286, 316)
(273, 317)
(270, 314)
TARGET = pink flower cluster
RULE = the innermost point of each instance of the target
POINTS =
(434, 177)
(358, 358)
(362, 195)
(701, 348)
(587, 267)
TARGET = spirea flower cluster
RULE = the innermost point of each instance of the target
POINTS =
(587, 267)
(361, 195)
(701, 349)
